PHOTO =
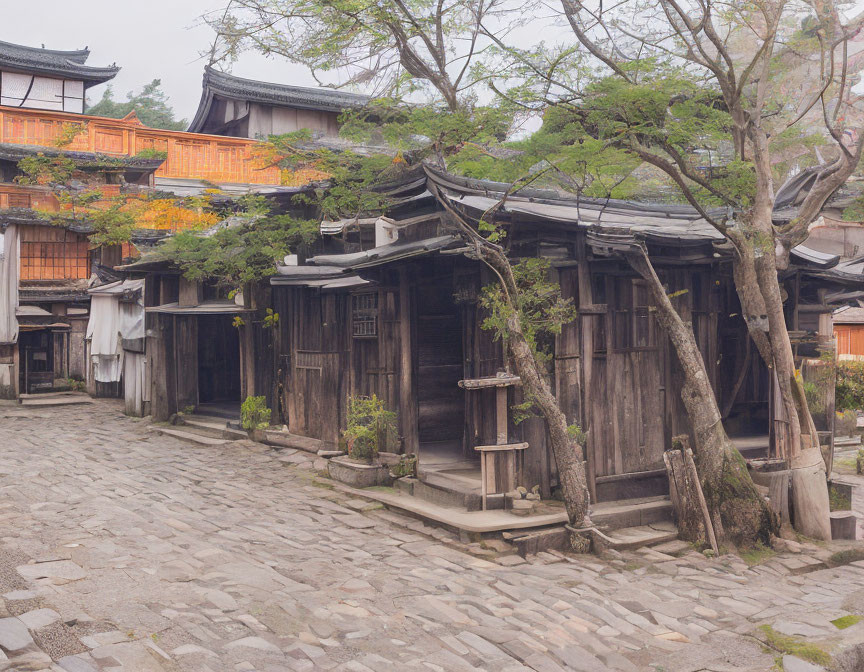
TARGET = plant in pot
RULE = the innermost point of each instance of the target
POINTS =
(370, 429)
(255, 417)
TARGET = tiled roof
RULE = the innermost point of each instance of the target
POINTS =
(228, 86)
(67, 64)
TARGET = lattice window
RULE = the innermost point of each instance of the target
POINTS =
(364, 315)
(19, 200)
(51, 253)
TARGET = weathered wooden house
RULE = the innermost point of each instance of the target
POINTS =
(402, 320)
(849, 332)
(251, 109)
(46, 266)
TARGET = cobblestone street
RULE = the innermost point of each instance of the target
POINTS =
(126, 550)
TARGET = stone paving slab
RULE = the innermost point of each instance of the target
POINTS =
(125, 550)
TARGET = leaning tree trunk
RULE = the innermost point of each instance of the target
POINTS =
(740, 513)
(758, 285)
(568, 454)
(762, 306)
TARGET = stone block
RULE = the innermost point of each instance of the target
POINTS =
(358, 475)
(844, 525)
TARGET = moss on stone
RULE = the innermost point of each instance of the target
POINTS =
(847, 621)
(795, 646)
(757, 554)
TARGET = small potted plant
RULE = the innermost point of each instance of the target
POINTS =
(255, 417)
(370, 428)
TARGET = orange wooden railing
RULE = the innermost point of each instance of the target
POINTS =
(38, 198)
(189, 155)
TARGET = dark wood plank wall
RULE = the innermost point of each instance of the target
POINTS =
(186, 351)
(160, 347)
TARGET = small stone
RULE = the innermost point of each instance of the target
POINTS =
(330, 453)
(254, 643)
(13, 634)
(188, 649)
(39, 618)
(75, 664)
(674, 637)
(793, 664)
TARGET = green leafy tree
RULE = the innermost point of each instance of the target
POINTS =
(719, 102)
(243, 250)
(390, 46)
(150, 104)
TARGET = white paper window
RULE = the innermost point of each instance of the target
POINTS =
(44, 93)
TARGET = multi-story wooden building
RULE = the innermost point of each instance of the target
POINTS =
(47, 266)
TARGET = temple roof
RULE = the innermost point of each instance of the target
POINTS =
(53, 63)
(237, 88)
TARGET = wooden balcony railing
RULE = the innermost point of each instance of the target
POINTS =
(189, 155)
(37, 198)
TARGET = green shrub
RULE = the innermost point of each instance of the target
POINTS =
(254, 413)
(850, 386)
(845, 423)
(371, 427)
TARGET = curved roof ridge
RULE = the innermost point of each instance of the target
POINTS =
(216, 82)
(79, 56)
(54, 62)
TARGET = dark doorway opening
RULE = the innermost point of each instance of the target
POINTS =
(37, 361)
(218, 361)
(441, 402)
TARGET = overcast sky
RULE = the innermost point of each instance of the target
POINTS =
(151, 39)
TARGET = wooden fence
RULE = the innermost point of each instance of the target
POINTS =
(189, 155)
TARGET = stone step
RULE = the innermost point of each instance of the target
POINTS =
(288, 440)
(631, 513)
(629, 538)
(54, 400)
(191, 436)
(215, 427)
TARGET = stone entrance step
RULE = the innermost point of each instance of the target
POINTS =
(191, 436)
(631, 512)
(54, 399)
(212, 426)
(629, 538)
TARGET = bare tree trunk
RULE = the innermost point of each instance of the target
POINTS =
(568, 454)
(809, 478)
(740, 514)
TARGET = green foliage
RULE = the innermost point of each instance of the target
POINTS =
(69, 132)
(577, 434)
(353, 178)
(150, 153)
(271, 319)
(541, 308)
(428, 130)
(795, 646)
(238, 322)
(850, 386)
(254, 413)
(240, 253)
(813, 394)
(370, 427)
(150, 105)
(838, 500)
(757, 554)
(847, 621)
(44, 170)
(854, 212)
(406, 466)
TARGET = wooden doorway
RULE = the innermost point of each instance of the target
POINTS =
(36, 350)
(218, 360)
(440, 367)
